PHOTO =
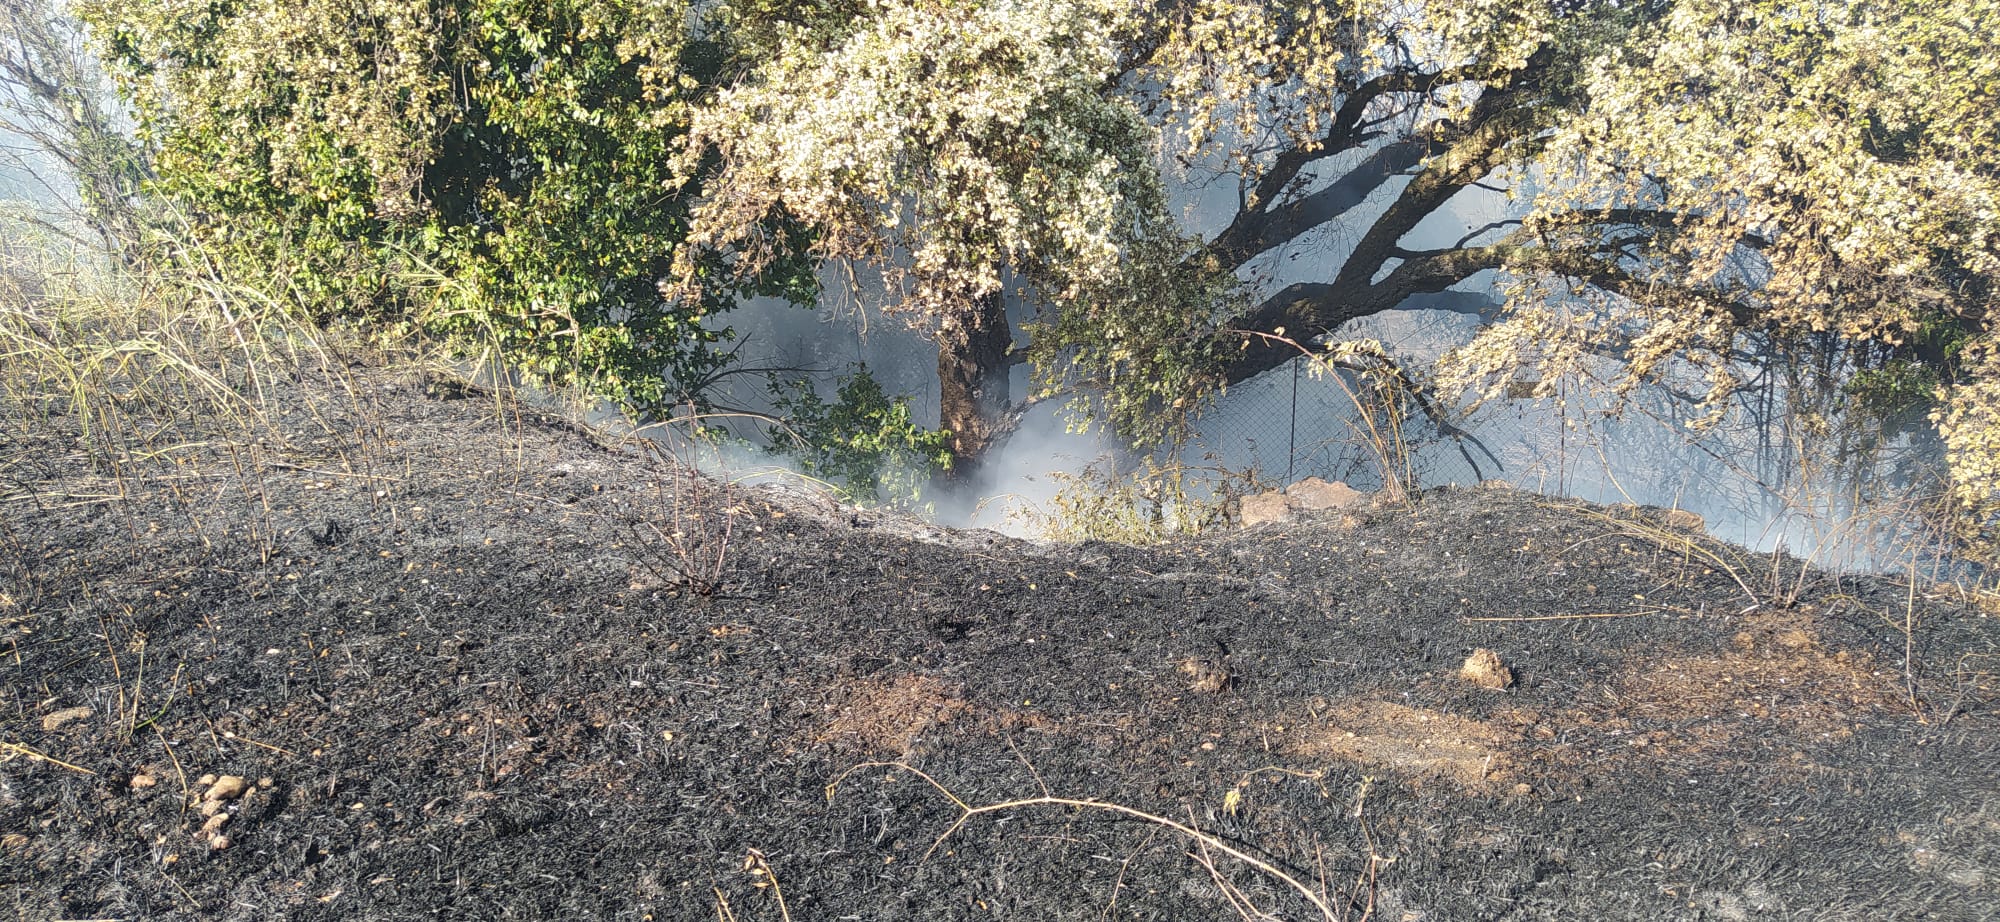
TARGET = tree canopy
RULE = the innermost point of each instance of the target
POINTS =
(1689, 175)
(1691, 179)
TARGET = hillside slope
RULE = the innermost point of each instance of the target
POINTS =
(442, 647)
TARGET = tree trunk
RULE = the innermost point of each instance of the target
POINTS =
(973, 371)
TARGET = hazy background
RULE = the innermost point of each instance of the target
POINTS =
(1283, 426)
(1286, 425)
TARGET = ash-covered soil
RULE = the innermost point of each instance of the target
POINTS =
(433, 657)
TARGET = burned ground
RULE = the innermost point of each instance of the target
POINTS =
(442, 643)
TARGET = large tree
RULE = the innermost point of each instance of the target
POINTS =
(1691, 176)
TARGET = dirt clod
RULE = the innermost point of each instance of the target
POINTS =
(1685, 520)
(1207, 675)
(1315, 494)
(1485, 669)
(54, 720)
(1264, 509)
(227, 787)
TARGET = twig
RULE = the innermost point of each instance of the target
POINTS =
(968, 811)
(1910, 644)
(39, 757)
(235, 737)
(754, 863)
(1632, 614)
(1118, 885)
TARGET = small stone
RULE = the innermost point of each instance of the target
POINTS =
(141, 780)
(265, 782)
(218, 843)
(211, 807)
(215, 824)
(1523, 790)
(54, 720)
(227, 787)
(204, 781)
(1485, 669)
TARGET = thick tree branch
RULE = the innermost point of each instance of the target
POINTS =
(1255, 230)
(1265, 222)
(1499, 119)
(1423, 282)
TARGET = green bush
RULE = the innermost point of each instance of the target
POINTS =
(493, 171)
(864, 442)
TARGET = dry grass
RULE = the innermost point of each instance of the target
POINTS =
(130, 370)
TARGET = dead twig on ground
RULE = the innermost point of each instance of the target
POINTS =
(1623, 614)
(758, 867)
(1689, 546)
(967, 812)
(20, 749)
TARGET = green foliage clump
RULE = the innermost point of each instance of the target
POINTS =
(494, 171)
(1144, 356)
(864, 441)
(1149, 505)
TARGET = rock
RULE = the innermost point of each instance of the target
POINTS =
(52, 721)
(1271, 508)
(1485, 669)
(1314, 494)
(142, 780)
(214, 825)
(227, 787)
(1685, 520)
(204, 781)
(218, 843)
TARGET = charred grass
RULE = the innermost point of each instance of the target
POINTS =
(443, 629)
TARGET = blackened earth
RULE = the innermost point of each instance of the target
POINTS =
(451, 640)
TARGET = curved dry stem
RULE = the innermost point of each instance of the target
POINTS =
(968, 811)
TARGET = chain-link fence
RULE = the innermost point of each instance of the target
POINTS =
(1751, 477)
